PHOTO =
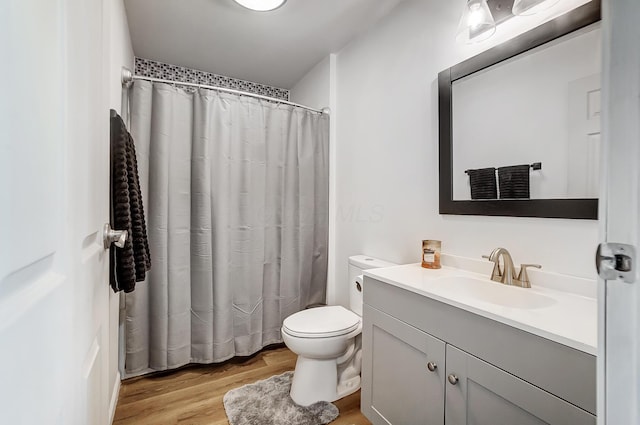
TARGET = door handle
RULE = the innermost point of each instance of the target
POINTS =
(615, 261)
(116, 237)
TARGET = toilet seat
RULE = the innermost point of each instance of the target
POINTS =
(321, 322)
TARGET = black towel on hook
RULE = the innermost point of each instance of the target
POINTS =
(133, 260)
(514, 182)
(483, 183)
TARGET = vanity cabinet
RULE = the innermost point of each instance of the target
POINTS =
(484, 372)
(482, 394)
(405, 378)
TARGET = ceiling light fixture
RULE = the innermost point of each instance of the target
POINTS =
(261, 5)
(477, 23)
(530, 7)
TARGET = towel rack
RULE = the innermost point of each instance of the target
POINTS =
(535, 166)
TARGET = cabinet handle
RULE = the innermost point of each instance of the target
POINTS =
(432, 366)
(453, 379)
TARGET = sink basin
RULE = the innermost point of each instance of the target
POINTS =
(495, 293)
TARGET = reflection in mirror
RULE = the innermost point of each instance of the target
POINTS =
(541, 107)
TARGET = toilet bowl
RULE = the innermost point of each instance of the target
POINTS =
(327, 341)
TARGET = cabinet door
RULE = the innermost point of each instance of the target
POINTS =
(398, 386)
(478, 393)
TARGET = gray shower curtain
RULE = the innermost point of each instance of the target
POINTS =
(236, 194)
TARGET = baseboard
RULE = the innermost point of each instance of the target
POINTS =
(114, 398)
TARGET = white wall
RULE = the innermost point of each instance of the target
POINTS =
(313, 89)
(387, 154)
(121, 50)
(120, 54)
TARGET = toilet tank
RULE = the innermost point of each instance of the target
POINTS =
(357, 264)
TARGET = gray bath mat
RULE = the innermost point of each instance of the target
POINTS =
(267, 402)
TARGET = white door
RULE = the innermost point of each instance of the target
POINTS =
(619, 302)
(53, 202)
(583, 178)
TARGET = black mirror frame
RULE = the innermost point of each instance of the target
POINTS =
(580, 17)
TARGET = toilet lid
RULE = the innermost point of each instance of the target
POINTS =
(321, 322)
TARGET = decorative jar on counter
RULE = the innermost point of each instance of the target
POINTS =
(431, 254)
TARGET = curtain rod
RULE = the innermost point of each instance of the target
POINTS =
(128, 77)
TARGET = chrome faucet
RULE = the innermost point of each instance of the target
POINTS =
(507, 274)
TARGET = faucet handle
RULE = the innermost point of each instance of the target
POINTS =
(523, 276)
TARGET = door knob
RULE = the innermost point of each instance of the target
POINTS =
(615, 261)
(432, 366)
(116, 237)
(453, 379)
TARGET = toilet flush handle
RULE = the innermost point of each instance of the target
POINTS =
(358, 286)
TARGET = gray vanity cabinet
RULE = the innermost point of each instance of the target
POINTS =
(404, 380)
(481, 394)
(484, 372)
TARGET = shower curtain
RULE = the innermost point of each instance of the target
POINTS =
(236, 194)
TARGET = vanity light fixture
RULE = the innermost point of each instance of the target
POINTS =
(477, 23)
(261, 5)
(531, 7)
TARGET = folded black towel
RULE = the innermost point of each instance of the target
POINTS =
(483, 183)
(133, 260)
(514, 182)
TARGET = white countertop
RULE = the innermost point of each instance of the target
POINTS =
(569, 318)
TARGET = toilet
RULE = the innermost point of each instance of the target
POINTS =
(328, 343)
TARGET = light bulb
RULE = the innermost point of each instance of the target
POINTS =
(475, 16)
(477, 23)
(261, 5)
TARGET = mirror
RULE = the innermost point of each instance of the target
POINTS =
(542, 106)
(520, 124)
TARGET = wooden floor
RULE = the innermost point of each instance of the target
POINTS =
(193, 395)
